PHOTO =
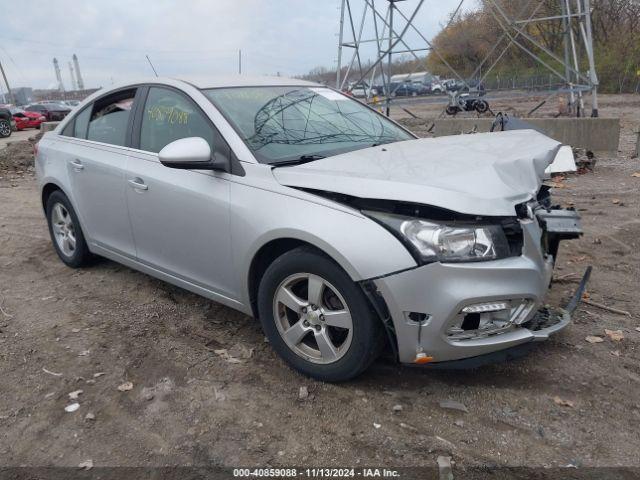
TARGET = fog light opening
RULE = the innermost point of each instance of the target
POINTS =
(471, 321)
(491, 318)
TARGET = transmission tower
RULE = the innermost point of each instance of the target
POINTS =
(374, 31)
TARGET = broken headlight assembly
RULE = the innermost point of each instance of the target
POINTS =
(440, 242)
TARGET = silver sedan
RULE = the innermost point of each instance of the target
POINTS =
(293, 203)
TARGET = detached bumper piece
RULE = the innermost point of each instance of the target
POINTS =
(558, 224)
(544, 323)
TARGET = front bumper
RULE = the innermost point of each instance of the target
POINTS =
(425, 302)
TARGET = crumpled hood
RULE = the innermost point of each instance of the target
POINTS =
(478, 174)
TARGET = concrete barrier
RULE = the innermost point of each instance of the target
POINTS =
(48, 126)
(595, 134)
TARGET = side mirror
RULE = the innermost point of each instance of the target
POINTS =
(192, 153)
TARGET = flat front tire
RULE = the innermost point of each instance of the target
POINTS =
(66, 234)
(316, 318)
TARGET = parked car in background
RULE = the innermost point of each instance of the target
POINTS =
(7, 123)
(361, 90)
(472, 86)
(71, 103)
(25, 119)
(51, 111)
(405, 89)
(437, 88)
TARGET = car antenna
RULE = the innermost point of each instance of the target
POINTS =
(152, 67)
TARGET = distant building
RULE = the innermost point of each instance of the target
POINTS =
(40, 95)
(417, 77)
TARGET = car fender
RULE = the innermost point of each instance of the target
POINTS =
(363, 248)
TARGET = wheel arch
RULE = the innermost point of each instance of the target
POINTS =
(46, 191)
(268, 253)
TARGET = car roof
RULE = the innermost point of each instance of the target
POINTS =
(197, 82)
(219, 81)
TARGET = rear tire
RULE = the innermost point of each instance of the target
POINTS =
(65, 231)
(316, 318)
(482, 106)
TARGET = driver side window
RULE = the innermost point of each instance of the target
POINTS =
(169, 116)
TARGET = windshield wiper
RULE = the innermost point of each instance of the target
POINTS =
(298, 161)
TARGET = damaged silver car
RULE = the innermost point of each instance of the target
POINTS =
(336, 227)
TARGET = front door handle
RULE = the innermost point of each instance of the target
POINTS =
(138, 184)
(77, 165)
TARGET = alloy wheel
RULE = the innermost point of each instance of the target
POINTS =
(5, 129)
(313, 318)
(63, 229)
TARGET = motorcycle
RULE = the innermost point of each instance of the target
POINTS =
(465, 102)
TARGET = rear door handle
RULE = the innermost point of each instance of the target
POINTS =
(138, 184)
(77, 165)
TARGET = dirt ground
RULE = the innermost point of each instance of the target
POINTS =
(64, 330)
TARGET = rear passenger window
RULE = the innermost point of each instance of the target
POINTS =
(110, 118)
(169, 116)
(81, 123)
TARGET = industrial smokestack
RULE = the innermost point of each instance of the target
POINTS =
(74, 84)
(58, 75)
(78, 74)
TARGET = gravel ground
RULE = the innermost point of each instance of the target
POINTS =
(569, 402)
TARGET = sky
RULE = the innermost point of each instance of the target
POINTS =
(194, 38)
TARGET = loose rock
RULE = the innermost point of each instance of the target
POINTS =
(125, 387)
(562, 402)
(75, 394)
(303, 394)
(594, 339)
(445, 471)
(614, 335)
(453, 405)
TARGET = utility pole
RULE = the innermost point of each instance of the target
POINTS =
(340, 37)
(566, 25)
(6, 82)
(240, 62)
(587, 35)
(388, 100)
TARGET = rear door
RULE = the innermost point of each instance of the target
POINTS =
(96, 157)
(180, 218)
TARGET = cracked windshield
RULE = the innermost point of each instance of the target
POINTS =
(299, 124)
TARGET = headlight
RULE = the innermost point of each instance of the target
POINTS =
(438, 242)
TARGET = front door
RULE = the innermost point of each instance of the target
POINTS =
(180, 218)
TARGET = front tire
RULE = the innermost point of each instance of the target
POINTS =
(316, 318)
(66, 234)
(451, 110)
